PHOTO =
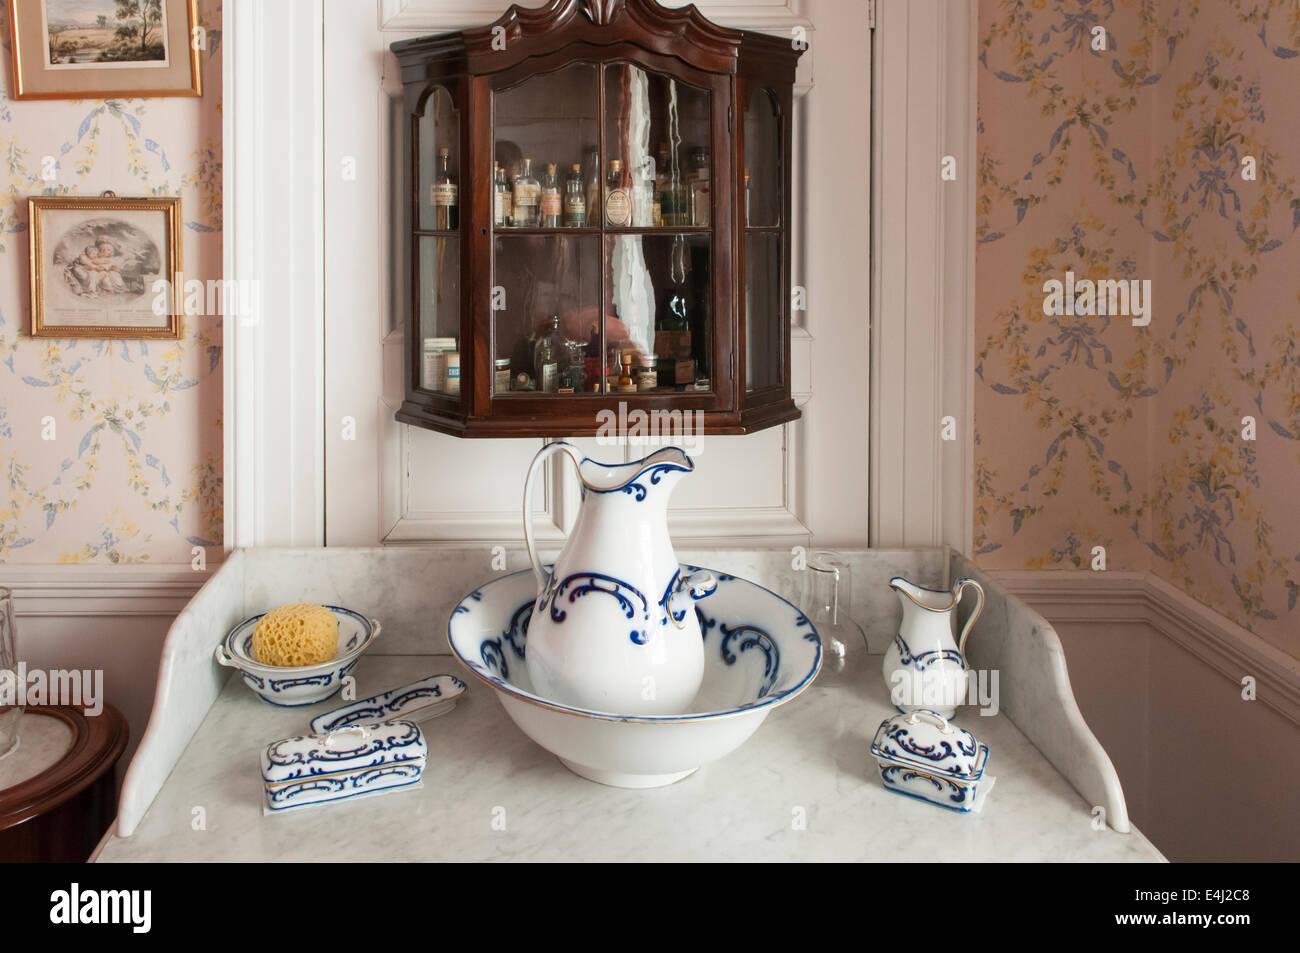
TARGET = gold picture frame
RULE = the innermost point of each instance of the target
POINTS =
(97, 274)
(69, 49)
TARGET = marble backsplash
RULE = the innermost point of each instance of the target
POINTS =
(413, 590)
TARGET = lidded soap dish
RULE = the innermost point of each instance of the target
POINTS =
(923, 755)
(353, 761)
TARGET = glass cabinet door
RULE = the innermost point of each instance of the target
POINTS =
(438, 246)
(762, 203)
(657, 312)
(602, 234)
(546, 250)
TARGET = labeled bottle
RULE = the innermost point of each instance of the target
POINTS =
(501, 375)
(618, 199)
(502, 198)
(701, 194)
(575, 199)
(528, 194)
(550, 201)
(445, 195)
(546, 358)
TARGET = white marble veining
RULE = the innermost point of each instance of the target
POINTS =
(43, 740)
(803, 788)
(1035, 693)
(188, 683)
(413, 590)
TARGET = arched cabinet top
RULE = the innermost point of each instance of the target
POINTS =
(523, 33)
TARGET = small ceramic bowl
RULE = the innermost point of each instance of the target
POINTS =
(298, 685)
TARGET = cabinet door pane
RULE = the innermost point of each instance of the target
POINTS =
(762, 174)
(763, 310)
(546, 323)
(657, 131)
(543, 128)
(439, 166)
(658, 289)
(439, 282)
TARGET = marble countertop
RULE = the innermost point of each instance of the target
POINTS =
(803, 788)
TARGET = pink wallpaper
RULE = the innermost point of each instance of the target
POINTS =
(1170, 156)
(110, 451)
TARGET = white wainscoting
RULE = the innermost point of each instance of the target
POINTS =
(111, 618)
(1158, 677)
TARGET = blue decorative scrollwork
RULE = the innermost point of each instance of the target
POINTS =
(517, 634)
(636, 489)
(942, 751)
(924, 660)
(283, 684)
(494, 657)
(897, 774)
(584, 583)
(748, 637)
(665, 602)
(705, 623)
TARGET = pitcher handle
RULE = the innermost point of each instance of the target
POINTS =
(542, 454)
(979, 607)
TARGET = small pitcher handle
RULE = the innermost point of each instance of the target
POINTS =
(979, 607)
(542, 455)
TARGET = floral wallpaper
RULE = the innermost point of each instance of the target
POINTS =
(110, 451)
(1170, 155)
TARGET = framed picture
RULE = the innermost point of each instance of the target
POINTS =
(98, 49)
(97, 264)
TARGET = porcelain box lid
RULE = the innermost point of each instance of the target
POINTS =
(926, 740)
(343, 751)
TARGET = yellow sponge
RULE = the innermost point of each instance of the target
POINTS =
(302, 634)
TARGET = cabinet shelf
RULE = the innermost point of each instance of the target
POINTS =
(583, 92)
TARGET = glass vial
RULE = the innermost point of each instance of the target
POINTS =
(528, 195)
(575, 199)
(550, 200)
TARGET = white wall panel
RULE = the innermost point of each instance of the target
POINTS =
(400, 484)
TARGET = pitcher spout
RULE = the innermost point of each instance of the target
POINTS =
(636, 479)
(936, 600)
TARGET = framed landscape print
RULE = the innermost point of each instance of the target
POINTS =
(98, 49)
(97, 264)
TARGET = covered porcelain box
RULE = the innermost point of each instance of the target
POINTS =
(923, 755)
(347, 763)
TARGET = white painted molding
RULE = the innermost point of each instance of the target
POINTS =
(99, 591)
(1107, 597)
(801, 364)
(922, 357)
(436, 16)
(274, 236)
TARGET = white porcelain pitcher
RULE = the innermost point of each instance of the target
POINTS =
(614, 627)
(925, 667)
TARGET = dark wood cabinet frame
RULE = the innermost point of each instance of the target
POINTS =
(731, 65)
